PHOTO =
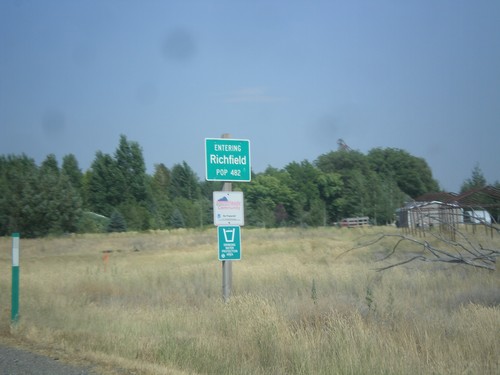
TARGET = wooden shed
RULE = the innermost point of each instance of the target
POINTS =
(429, 214)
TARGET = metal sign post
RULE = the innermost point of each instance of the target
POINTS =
(227, 267)
(15, 278)
(228, 160)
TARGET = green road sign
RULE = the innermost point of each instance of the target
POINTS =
(229, 238)
(227, 159)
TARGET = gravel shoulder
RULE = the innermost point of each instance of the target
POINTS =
(16, 361)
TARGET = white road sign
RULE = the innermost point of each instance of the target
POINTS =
(228, 208)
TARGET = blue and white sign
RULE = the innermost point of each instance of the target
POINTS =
(229, 238)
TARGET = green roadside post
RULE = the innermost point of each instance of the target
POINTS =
(15, 278)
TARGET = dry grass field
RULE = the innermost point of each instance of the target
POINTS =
(151, 303)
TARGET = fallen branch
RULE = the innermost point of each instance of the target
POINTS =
(467, 253)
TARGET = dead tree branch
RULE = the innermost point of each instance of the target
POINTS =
(465, 252)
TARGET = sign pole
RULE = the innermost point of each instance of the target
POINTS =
(228, 160)
(227, 267)
(15, 278)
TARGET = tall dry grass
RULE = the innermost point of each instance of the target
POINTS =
(152, 302)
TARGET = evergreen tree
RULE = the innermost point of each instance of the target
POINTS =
(160, 206)
(177, 219)
(18, 182)
(71, 169)
(50, 165)
(476, 181)
(117, 222)
(92, 223)
(105, 186)
(69, 207)
(131, 166)
(85, 189)
(136, 215)
(36, 201)
(184, 182)
(45, 209)
(56, 206)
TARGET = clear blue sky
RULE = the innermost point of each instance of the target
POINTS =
(290, 76)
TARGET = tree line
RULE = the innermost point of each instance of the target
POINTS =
(117, 194)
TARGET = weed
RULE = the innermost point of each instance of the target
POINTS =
(370, 299)
(314, 293)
